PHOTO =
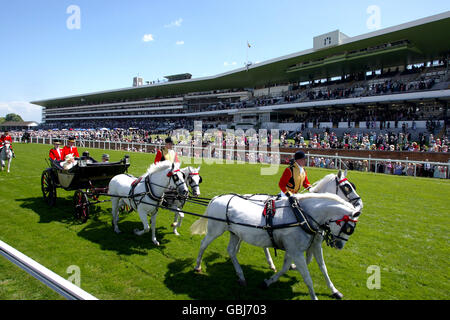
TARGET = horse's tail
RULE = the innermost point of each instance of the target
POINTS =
(200, 226)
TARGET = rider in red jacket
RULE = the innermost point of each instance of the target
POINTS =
(70, 148)
(56, 153)
(167, 153)
(6, 137)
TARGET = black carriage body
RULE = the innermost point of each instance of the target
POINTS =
(91, 175)
(89, 178)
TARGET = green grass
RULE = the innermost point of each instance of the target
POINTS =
(403, 229)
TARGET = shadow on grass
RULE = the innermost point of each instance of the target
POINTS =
(125, 243)
(62, 211)
(219, 281)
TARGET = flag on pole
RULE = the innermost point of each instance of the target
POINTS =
(248, 44)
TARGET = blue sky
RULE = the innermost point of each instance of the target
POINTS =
(41, 58)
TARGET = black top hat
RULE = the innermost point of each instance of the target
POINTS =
(56, 141)
(71, 139)
(299, 155)
(169, 140)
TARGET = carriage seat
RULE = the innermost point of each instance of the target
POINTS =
(56, 164)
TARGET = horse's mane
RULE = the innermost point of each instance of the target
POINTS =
(156, 167)
(317, 186)
(329, 196)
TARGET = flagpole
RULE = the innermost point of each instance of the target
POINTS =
(246, 63)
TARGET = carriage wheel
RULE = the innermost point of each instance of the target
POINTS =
(81, 205)
(48, 188)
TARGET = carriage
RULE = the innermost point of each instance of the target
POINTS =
(88, 178)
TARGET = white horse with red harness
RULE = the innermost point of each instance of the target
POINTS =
(335, 184)
(6, 154)
(326, 215)
(146, 194)
(176, 203)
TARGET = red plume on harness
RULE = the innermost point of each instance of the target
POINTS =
(172, 172)
(345, 219)
(269, 208)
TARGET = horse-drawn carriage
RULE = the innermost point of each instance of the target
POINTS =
(88, 178)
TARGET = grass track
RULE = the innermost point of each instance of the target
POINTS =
(403, 229)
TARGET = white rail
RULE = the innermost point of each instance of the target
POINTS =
(62, 286)
(206, 152)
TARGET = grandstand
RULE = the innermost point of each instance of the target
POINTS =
(387, 79)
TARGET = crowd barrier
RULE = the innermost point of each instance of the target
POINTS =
(265, 156)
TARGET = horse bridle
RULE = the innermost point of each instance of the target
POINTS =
(193, 184)
(176, 180)
(346, 190)
(346, 228)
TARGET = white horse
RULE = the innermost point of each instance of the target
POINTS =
(331, 215)
(336, 184)
(6, 154)
(146, 195)
(193, 180)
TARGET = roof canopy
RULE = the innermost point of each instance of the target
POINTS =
(417, 41)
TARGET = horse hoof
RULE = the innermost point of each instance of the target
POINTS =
(273, 269)
(198, 270)
(242, 283)
(293, 267)
(176, 233)
(337, 295)
(156, 243)
(173, 224)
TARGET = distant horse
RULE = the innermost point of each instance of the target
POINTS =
(193, 180)
(146, 194)
(6, 153)
(331, 215)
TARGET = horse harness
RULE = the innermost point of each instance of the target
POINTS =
(346, 190)
(171, 196)
(149, 190)
(303, 219)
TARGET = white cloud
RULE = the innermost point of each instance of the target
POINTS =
(28, 111)
(179, 43)
(147, 37)
(226, 63)
(176, 23)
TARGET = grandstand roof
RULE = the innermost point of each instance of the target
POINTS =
(413, 42)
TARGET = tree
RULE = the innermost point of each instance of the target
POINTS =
(13, 117)
(2, 119)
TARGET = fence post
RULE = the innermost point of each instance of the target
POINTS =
(307, 164)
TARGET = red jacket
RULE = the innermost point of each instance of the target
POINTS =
(67, 150)
(55, 155)
(287, 180)
(4, 138)
(160, 157)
